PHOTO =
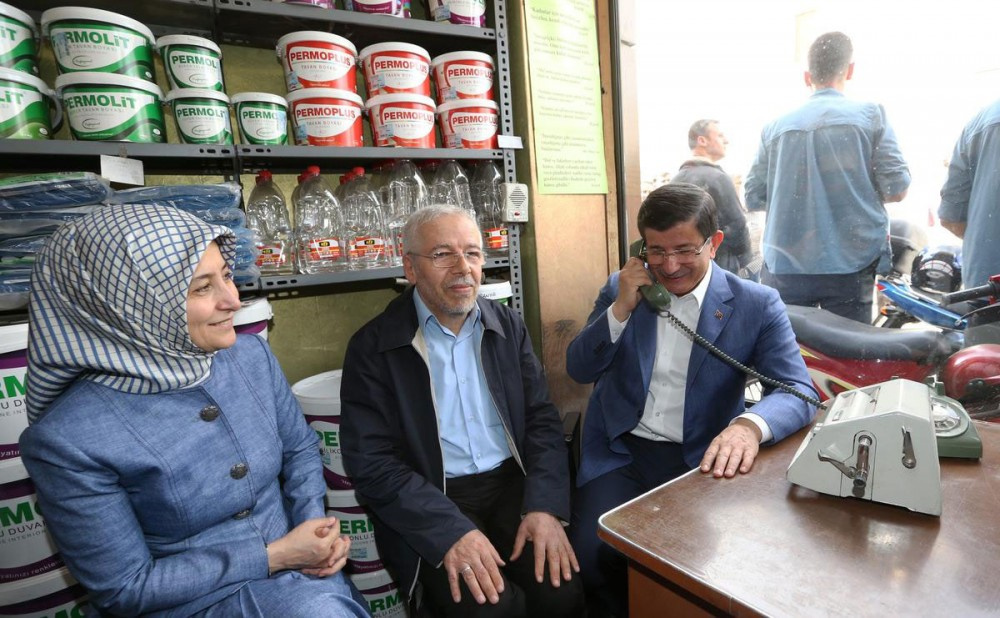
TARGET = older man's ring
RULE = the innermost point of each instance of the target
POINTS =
(467, 569)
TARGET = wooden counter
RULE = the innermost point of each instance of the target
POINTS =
(758, 545)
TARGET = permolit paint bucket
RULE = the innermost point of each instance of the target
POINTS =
(396, 67)
(191, 62)
(382, 594)
(102, 41)
(202, 115)
(356, 523)
(396, 8)
(55, 594)
(319, 397)
(262, 117)
(13, 412)
(27, 106)
(252, 317)
(26, 549)
(468, 123)
(326, 117)
(105, 106)
(313, 59)
(18, 40)
(405, 120)
(468, 12)
(462, 75)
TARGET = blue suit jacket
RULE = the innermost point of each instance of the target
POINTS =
(746, 320)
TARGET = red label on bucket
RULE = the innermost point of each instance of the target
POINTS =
(471, 126)
(463, 79)
(397, 71)
(318, 64)
(322, 121)
(402, 123)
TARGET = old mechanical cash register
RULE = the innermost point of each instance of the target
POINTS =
(882, 443)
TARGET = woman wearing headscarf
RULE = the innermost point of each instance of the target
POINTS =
(174, 467)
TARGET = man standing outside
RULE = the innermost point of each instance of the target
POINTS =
(708, 145)
(823, 173)
(663, 405)
(449, 437)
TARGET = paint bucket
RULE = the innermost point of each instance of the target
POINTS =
(396, 67)
(468, 123)
(356, 524)
(13, 411)
(468, 12)
(27, 105)
(396, 8)
(319, 397)
(202, 115)
(317, 60)
(498, 290)
(53, 594)
(252, 317)
(99, 41)
(462, 75)
(191, 62)
(104, 106)
(26, 549)
(405, 120)
(262, 117)
(382, 594)
(326, 117)
(19, 43)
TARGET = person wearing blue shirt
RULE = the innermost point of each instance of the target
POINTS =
(823, 174)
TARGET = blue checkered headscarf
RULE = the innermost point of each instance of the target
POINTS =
(109, 303)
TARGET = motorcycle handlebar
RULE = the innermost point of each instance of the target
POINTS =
(980, 291)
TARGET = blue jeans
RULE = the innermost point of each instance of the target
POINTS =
(849, 295)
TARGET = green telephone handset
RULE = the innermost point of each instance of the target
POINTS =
(654, 293)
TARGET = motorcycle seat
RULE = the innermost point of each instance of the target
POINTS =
(839, 337)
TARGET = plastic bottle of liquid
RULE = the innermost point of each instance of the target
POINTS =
(364, 224)
(319, 229)
(404, 193)
(451, 186)
(267, 216)
(487, 197)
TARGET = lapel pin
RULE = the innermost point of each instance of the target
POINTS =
(718, 314)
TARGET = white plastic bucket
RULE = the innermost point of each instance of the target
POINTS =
(191, 62)
(326, 117)
(104, 106)
(396, 8)
(13, 412)
(102, 41)
(252, 317)
(313, 59)
(462, 75)
(19, 43)
(382, 594)
(356, 523)
(319, 396)
(468, 123)
(323, 4)
(26, 106)
(54, 594)
(26, 549)
(396, 67)
(262, 117)
(500, 291)
(405, 120)
(468, 12)
(202, 115)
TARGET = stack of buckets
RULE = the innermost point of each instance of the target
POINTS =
(29, 109)
(33, 580)
(319, 397)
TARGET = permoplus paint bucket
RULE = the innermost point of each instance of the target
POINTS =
(105, 106)
(382, 594)
(100, 41)
(396, 67)
(18, 40)
(319, 397)
(26, 549)
(55, 594)
(404, 120)
(356, 523)
(396, 8)
(313, 59)
(262, 117)
(326, 117)
(191, 62)
(13, 412)
(252, 317)
(468, 123)
(462, 75)
(202, 115)
(467, 12)
(27, 107)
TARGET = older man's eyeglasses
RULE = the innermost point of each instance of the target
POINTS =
(656, 255)
(447, 259)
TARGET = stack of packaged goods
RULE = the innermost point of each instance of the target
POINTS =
(29, 109)
(198, 95)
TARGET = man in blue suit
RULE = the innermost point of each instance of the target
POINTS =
(662, 405)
